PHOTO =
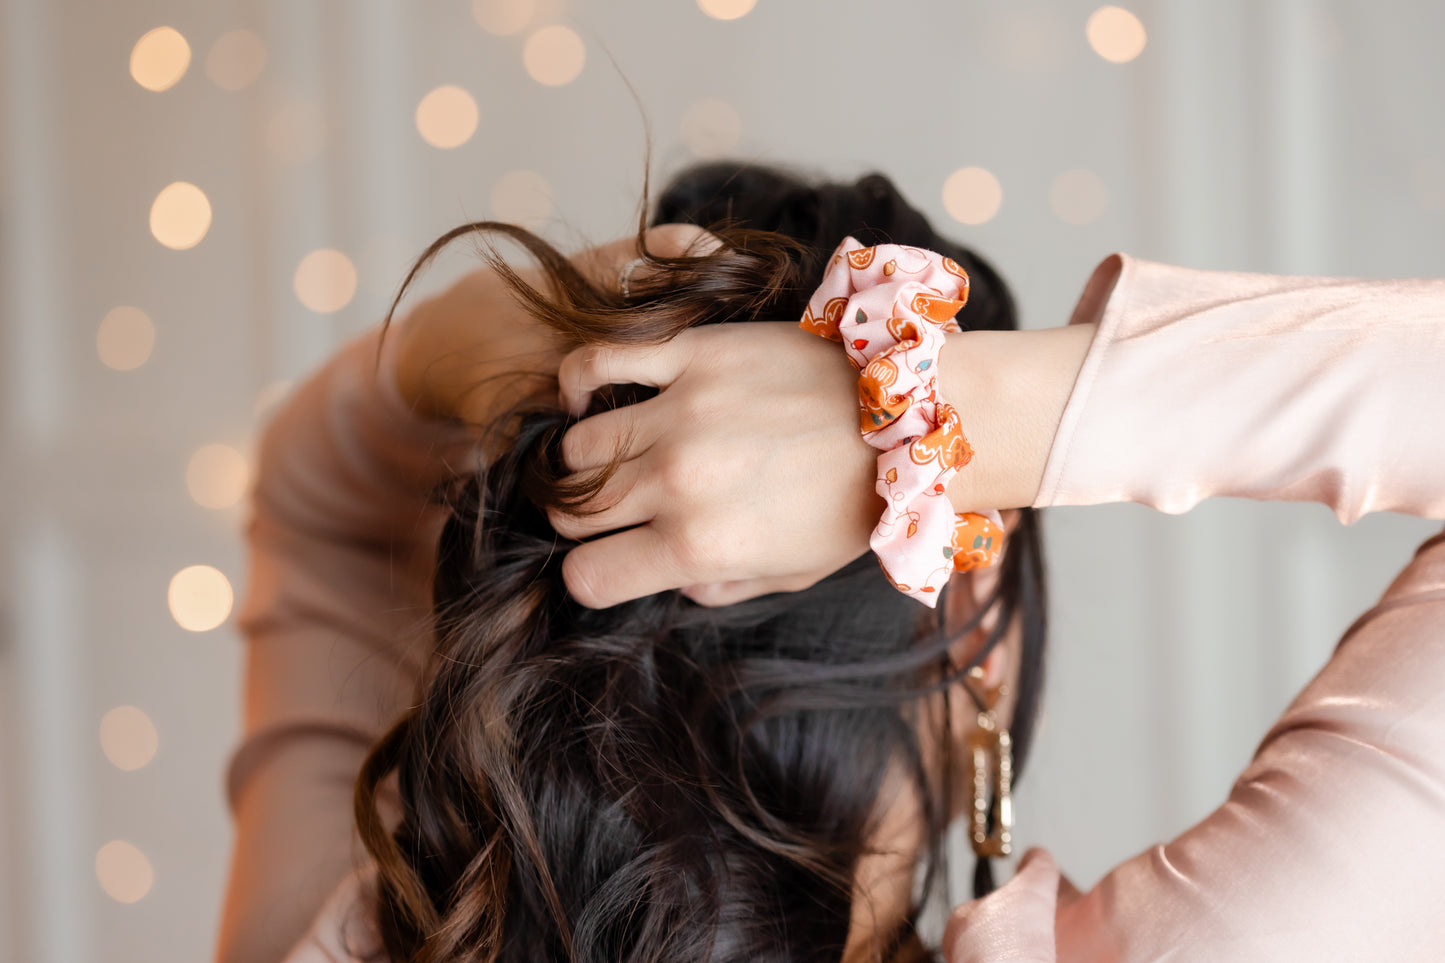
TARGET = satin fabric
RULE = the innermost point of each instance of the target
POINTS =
(1204, 384)
(1197, 384)
(890, 306)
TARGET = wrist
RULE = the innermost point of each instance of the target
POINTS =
(1010, 389)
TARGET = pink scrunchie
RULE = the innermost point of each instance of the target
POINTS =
(891, 305)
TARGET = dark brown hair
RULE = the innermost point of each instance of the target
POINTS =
(660, 781)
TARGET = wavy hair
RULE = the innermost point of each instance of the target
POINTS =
(662, 781)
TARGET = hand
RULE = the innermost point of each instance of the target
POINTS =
(745, 475)
(472, 351)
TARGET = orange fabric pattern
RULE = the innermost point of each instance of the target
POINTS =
(891, 305)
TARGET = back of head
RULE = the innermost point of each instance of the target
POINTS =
(659, 780)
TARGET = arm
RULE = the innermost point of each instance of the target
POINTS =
(341, 540)
(1326, 849)
(1210, 384)
(1328, 845)
(1202, 384)
(1317, 389)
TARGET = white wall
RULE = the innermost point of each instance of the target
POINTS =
(1271, 135)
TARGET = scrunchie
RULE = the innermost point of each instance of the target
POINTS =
(891, 305)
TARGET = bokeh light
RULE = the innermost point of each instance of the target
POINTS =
(1079, 197)
(128, 738)
(236, 60)
(726, 9)
(502, 17)
(325, 281)
(711, 128)
(217, 476)
(447, 117)
(200, 598)
(1116, 34)
(523, 198)
(160, 58)
(124, 872)
(554, 56)
(972, 195)
(180, 216)
(296, 131)
(125, 338)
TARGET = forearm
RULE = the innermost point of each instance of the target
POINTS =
(1201, 384)
(341, 543)
(1010, 389)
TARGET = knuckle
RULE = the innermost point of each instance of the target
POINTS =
(576, 445)
(679, 473)
(563, 524)
(694, 408)
(594, 361)
(696, 551)
(709, 595)
(672, 240)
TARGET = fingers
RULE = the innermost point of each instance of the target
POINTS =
(586, 369)
(603, 265)
(625, 433)
(619, 568)
(717, 594)
(627, 499)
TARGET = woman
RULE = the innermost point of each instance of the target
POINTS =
(1189, 385)
(761, 781)
(1183, 385)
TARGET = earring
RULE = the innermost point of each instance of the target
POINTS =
(990, 750)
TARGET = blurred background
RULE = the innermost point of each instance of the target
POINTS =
(201, 200)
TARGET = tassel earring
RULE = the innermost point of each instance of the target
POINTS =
(990, 751)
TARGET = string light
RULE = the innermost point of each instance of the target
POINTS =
(446, 117)
(217, 476)
(523, 198)
(726, 9)
(128, 738)
(1116, 34)
(325, 281)
(123, 871)
(972, 195)
(200, 598)
(502, 17)
(1079, 197)
(160, 58)
(236, 60)
(711, 128)
(125, 338)
(180, 216)
(554, 56)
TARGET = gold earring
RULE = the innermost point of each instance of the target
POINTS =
(990, 750)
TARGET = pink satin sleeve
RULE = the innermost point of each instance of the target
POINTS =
(1329, 845)
(1203, 383)
(342, 545)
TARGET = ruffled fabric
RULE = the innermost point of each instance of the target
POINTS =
(891, 305)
